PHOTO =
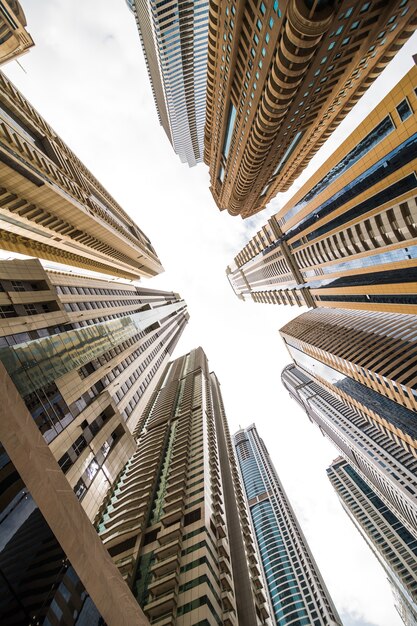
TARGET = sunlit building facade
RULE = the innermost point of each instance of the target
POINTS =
(174, 42)
(393, 545)
(369, 357)
(348, 238)
(281, 76)
(52, 207)
(296, 589)
(85, 354)
(14, 38)
(175, 521)
(364, 443)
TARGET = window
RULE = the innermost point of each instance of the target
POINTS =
(365, 7)
(7, 311)
(259, 25)
(404, 110)
(263, 8)
(30, 309)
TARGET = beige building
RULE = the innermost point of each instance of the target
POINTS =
(281, 76)
(348, 237)
(14, 38)
(175, 522)
(85, 354)
(52, 207)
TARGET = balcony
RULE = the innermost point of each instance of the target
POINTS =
(174, 494)
(224, 565)
(161, 585)
(168, 549)
(223, 547)
(227, 601)
(162, 567)
(160, 606)
(174, 514)
(169, 534)
(226, 581)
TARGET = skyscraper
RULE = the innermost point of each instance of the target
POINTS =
(348, 238)
(393, 545)
(367, 358)
(173, 521)
(174, 42)
(296, 589)
(85, 354)
(52, 207)
(281, 76)
(360, 438)
(14, 38)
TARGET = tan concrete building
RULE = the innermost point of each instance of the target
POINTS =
(175, 521)
(86, 355)
(281, 76)
(368, 358)
(14, 38)
(393, 545)
(348, 238)
(52, 207)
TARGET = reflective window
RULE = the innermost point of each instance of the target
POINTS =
(404, 110)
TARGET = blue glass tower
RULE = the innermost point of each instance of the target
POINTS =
(297, 592)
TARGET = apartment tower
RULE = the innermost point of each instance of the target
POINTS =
(86, 354)
(175, 522)
(393, 545)
(52, 207)
(296, 589)
(174, 43)
(348, 238)
(281, 76)
(14, 38)
(361, 439)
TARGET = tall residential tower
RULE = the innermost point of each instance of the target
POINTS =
(14, 38)
(348, 238)
(52, 207)
(175, 522)
(296, 589)
(393, 545)
(281, 76)
(85, 354)
(174, 43)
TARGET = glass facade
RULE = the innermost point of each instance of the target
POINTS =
(296, 591)
(34, 364)
(38, 585)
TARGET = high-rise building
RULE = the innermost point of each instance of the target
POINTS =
(383, 463)
(174, 43)
(281, 76)
(175, 521)
(393, 545)
(348, 238)
(296, 589)
(85, 354)
(14, 38)
(368, 358)
(52, 207)
(53, 567)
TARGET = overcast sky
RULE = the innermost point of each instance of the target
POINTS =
(87, 77)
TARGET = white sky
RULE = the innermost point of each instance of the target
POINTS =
(87, 77)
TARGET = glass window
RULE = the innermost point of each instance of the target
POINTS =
(355, 25)
(365, 7)
(331, 45)
(271, 22)
(404, 110)
(263, 52)
(263, 8)
(259, 24)
(267, 38)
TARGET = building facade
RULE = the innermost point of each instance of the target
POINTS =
(53, 567)
(281, 76)
(393, 545)
(14, 38)
(348, 238)
(367, 357)
(175, 522)
(363, 442)
(296, 589)
(85, 354)
(174, 43)
(52, 207)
